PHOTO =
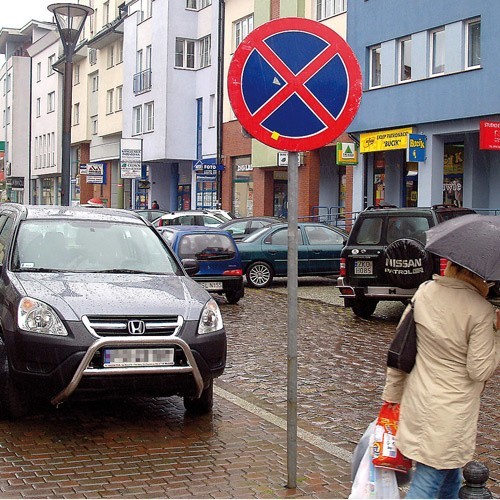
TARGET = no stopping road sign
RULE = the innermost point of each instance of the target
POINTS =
(294, 84)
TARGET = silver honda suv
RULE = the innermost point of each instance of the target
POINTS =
(93, 303)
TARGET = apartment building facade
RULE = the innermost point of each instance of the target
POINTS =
(434, 75)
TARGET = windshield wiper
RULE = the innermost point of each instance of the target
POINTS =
(120, 271)
(40, 270)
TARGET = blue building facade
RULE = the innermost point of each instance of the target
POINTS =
(432, 71)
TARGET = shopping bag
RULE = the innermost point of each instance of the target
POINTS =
(370, 481)
(385, 453)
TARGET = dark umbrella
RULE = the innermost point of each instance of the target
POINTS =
(473, 241)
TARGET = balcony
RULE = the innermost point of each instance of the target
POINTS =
(142, 81)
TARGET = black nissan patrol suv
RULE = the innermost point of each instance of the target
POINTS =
(385, 259)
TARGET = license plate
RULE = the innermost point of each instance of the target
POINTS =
(363, 267)
(212, 285)
(138, 357)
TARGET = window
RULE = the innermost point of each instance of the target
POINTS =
(110, 96)
(119, 98)
(375, 67)
(48, 150)
(7, 116)
(38, 71)
(328, 8)
(8, 82)
(53, 151)
(105, 13)
(149, 55)
(36, 153)
(92, 56)
(197, 4)
(95, 83)
(111, 56)
(149, 111)
(138, 61)
(137, 120)
(38, 107)
(94, 125)
(437, 52)
(211, 111)
(242, 28)
(205, 50)
(50, 62)
(119, 52)
(76, 113)
(473, 40)
(76, 74)
(184, 53)
(51, 102)
(405, 59)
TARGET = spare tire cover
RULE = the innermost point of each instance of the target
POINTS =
(407, 264)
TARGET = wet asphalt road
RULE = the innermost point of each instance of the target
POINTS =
(149, 448)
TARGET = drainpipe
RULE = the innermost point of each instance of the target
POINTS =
(220, 97)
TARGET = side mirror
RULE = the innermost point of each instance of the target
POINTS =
(191, 266)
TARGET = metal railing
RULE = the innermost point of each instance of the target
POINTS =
(337, 216)
(142, 81)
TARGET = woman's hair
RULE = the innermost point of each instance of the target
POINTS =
(458, 272)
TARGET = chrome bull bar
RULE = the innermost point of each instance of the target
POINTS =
(84, 370)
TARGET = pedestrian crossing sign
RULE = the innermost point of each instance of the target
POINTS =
(347, 153)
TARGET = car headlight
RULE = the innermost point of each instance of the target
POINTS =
(211, 318)
(38, 317)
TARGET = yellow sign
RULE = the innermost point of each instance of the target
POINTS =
(384, 140)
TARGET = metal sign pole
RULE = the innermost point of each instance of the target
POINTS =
(292, 283)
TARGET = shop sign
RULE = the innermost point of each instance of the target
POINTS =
(416, 147)
(130, 158)
(489, 135)
(385, 140)
(96, 173)
(206, 177)
(347, 153)
(244, 168)
(16, 183)
(206, 165)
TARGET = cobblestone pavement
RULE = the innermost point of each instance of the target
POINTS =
(144, 448)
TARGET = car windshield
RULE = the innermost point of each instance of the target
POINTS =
(90, 246)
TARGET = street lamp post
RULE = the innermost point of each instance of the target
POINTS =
(70, 19)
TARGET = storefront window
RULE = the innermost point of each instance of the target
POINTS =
(342, 191)
(280, 197)
(379, 179)
(411, 185)
(242, 187)
(453, 174)
(184, 197)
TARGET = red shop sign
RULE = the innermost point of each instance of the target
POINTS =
(489, 135)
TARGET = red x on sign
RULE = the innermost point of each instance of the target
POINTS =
(294, 84)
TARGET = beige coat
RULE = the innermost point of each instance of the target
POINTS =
(458, 350)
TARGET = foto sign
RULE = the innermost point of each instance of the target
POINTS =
(294, 84)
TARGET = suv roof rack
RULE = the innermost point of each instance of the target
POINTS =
(378, 207)
(444, 205)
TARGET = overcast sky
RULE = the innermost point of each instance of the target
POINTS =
(16, 13)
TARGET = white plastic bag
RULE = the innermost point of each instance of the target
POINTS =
(370, 481)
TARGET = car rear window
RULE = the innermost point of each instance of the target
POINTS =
(407, 227)
(369, 232)
(206, 247)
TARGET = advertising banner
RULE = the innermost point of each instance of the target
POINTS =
(489, 135)
(130, 158)
(384, 140)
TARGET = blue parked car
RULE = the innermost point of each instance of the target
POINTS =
(220, 269)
